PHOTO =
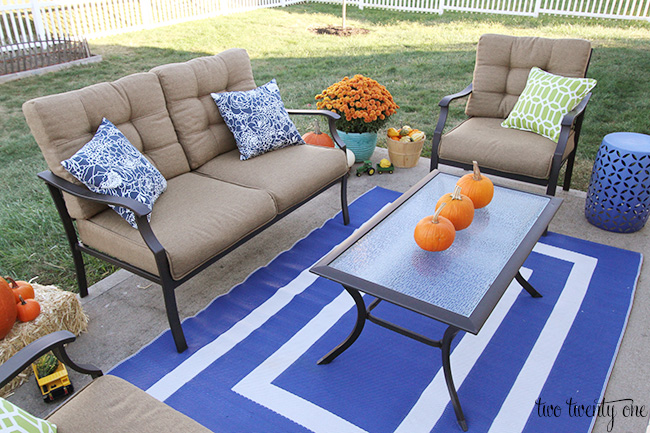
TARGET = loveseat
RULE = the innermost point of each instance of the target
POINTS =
(213, 202)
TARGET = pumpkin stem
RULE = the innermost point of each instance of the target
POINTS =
(434, 218)
(477, 172)
(22, 301)
(317, 128)
(456, 194)
(12, 283)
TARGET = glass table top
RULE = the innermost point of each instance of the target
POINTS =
(455, 279)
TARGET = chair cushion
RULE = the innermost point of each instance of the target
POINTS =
(509, 150)
(289, 175)
(111, 404)
(110, 164)
(546, 99)
(135, 104)
(504, 62)
(187, 88)
(15, 419)
(195, 219)
(258, 120)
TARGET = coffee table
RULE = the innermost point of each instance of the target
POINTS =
(459, 286)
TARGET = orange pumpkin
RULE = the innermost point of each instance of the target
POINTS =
(318, 138)
(21, 288)
(7, 308)
(460, 210)
(477, 187)
(27, 309)
(434, 232)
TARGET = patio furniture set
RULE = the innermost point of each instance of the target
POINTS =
(215, 200)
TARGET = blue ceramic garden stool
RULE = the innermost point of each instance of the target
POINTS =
(618, 198)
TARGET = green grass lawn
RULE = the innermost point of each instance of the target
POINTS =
(418, 57)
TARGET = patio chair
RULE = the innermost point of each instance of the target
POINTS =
(503, 64)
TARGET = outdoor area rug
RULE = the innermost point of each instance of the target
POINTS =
(251, 365)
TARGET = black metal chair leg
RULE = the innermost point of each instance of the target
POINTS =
(174, 319)
(527, 286)
(450, 333)
(344, 200)
(358, 327)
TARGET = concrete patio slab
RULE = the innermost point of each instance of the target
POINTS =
(126, 312)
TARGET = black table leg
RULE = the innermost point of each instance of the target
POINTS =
(449, 335)
(358, 327)
(526, 285)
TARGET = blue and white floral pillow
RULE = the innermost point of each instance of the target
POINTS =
(258, 120)
(110, 164)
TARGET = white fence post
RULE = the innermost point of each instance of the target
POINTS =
(38, 20)
(146, 11)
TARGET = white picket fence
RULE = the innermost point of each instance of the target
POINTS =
(23, 21)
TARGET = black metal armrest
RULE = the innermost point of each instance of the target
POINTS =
(444, 102)
(55, 342)
(579, 109)
(138, 208)
(332, 117)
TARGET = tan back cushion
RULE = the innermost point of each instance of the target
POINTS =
(187, 87)
(503, 63)
(63, 123)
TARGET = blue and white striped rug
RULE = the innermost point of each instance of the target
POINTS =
(251, 365)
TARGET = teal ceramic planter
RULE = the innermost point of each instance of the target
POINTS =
(362, 145)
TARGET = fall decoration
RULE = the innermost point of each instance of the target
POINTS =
(27, 309)
(7, 308)
(317, 138)
(435, 232)
(477, 187)
(363, 104)
(21, 288)
(46, 364)
(460, 210)
(405, 134)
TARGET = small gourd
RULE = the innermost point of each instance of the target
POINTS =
(46, 365)
(21, 288)
(478, 187)
(7, 308)
(434, 232)
(460, 209)
(317, 138)
(28, 309)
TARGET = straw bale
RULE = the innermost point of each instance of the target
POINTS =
(60, 310)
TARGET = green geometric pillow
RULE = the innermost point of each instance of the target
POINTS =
(544, 102)
(15, 420)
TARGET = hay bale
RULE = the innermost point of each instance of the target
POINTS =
(60, 310)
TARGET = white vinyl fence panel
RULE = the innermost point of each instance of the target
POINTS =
(23, 21)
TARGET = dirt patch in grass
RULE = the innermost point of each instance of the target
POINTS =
(338, 30)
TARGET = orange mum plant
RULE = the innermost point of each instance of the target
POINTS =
(363, 104)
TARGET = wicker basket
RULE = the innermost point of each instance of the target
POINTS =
(404, 154)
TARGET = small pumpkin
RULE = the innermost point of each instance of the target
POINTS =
(478, 187)
(27, 309)
(7, 308)
(21, 288)
(317, 138)
(434, 232)
(460, 210)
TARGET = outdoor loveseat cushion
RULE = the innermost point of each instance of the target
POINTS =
(195, 219)
(123, 408)
(511, 150)
(291, 175)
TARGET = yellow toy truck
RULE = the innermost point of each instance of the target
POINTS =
(52, 378)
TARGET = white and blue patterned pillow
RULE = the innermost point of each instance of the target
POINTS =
(110, 164)
(258, 120)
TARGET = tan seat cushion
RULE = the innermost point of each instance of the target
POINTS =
(503, 63)
(290, 175)
(510, 150)
(187, 87)
(110, 404)
(196, 218)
